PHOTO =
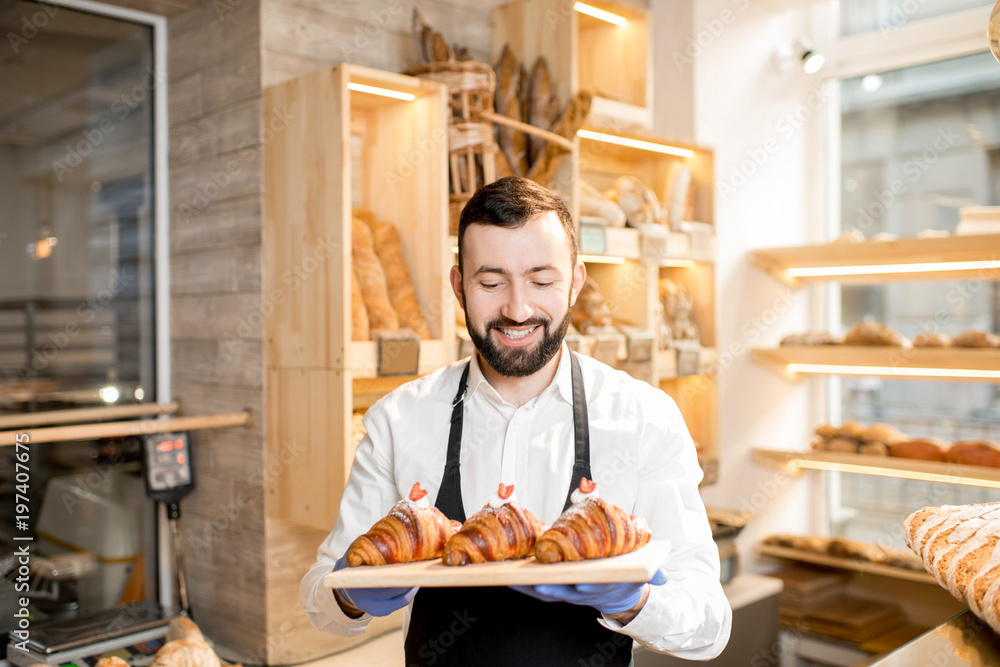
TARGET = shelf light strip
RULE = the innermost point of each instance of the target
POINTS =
(892, 472)
(383, 92)
(635, 143)
(601, 259)
(599, 14)
(812, 272)
(893, 371)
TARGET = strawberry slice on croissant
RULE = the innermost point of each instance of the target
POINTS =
(413, 530)
(500, 531)
(591, 528)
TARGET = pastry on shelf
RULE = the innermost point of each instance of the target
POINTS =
(813, 543)
(810, 338)
(924, 449)
(851, 429)
(870, 332)
(842, 547)
(413, 530)
(931, 339)
(676, 194)
(974, 452)
(972, 338)
(874, 449)
(879, 432)
(958, 546)
(591, 528)
(637, 200)
(371, 277)
(849, 236)
(389, 248)
(677, 306)
(502, 530)
(593, 203)
(590, 313)
(360, 327)
(827, 431)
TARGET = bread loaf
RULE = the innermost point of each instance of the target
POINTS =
(974, 453)
(374, 291)
(638, 201)
(360, 329)
(925, 449)
(539, 105)
(845, 445)
(874, 449)
(826, 431)
(959, 546)
(931, 339)
(675, 194)
(594, 203)
(590, 311)
(810, 338)
(843, 547)
(851, 429)
(389, 248)
(513, 144)
(975, 339)
(869, 332)
(883, 433)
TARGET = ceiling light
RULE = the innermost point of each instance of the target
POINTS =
(894, 371)
(812, 61)
(384, 92)
(871, 83)
(599, 13)
(678, 263)
(109, 394)
(872, 269)
(635, 143)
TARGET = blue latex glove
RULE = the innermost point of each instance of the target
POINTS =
(375, 601)
(605, 598)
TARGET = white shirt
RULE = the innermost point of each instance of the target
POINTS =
(641, 455)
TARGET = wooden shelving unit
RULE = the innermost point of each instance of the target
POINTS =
(980, 253)
(333, 149)
(928, 363)
(796, 463)
(851, 564)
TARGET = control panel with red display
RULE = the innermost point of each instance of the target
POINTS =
(169, 476)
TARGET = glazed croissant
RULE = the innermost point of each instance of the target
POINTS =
(409, 532)
(499, 533)
(591, 528)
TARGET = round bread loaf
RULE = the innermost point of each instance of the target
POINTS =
(925, 449)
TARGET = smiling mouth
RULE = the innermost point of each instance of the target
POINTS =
(516, 334)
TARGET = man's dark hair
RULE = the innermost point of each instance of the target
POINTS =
(510, 202)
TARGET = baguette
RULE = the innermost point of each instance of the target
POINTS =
(374, 290)
(360, 329)
(389, 248)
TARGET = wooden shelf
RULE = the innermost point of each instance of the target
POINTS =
(976, 249)
(850, 564)
(795, 463)
(893, 362)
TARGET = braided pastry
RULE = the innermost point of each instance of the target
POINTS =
(591, 528)
(411, 531)
(499, 531)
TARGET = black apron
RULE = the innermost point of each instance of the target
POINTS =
(496, 625)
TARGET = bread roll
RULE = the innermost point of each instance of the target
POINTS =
(975, 339)
(594, 203)
(976, 453)
(360, 329)
(883, 433)
(638, 201)
(931, 339)
(851, 429)
(846, 445)
(874, 449)
(389, 248)
(842, 547)
(374, 291)
(869, 332)
(925, 449)
(826, 431)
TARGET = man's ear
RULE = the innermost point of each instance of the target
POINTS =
(579, 277)
(456, 285)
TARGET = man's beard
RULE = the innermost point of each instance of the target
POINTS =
(518, 362)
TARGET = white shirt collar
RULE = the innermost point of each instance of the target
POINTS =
(561, 382)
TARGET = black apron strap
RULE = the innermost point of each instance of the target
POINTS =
(581, 432)
(449, 498)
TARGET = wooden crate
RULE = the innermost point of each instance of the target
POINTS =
(328, 148)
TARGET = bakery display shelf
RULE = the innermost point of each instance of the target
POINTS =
(795, 463)
(849, 564)
(666, 363)
(947, 258)
(929, 363)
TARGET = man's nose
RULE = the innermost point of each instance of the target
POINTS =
(517, 306)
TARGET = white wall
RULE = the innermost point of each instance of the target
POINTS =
(764, 126)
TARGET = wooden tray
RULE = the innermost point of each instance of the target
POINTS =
(637, 566)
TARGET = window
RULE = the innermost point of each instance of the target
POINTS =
(859, 16)
(77, 282)
(916, 145)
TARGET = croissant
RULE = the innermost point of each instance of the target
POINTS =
(407, 533)
(591, 528)
(507, 532)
